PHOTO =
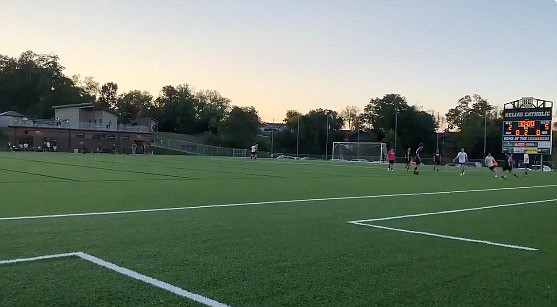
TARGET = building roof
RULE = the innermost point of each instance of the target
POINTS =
(12, 114)
(87, 105)
(76, 105)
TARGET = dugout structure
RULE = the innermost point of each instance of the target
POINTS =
(359, 151)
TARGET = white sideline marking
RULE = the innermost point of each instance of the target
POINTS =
(127, 272)
(149, 280)
(456, 211)
(37, 258)
(271, 202)
(447, 237)
(366, 223)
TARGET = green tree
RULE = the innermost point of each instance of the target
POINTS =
(380, 113)
(240, 127)
(352, 118)
(468, 108)
(33, 83)
(472, 115)
(211, 109)
(392, 112)
(130, 104)
(175, 109)
(108, 95)
(88, 85)
(291, 118)
(312, 136)
(414, 127)
(390, 138)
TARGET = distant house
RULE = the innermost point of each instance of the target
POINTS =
(272, 127)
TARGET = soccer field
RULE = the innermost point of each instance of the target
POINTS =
(114, 230)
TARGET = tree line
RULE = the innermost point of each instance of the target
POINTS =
(32, 83)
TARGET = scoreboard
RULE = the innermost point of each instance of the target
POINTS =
(527, 127)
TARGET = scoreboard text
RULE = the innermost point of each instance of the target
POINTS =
(527, 130)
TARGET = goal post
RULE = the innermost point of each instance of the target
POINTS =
(360, 151)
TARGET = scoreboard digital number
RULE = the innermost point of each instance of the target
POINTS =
(527, 130)
(529, 127)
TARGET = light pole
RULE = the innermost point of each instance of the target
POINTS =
(396, 127)
(327, 139)
(437, 132)
(272, 137)
(485, 132)
(298, 138)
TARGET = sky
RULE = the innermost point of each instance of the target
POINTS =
(278, 55)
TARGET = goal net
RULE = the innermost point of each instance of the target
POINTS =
(360, 151)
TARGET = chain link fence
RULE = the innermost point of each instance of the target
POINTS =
(208, 150)
(204, 150)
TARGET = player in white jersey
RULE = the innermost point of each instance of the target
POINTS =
(254, 152)
(526, 163)
(490, 163)
(462, 158)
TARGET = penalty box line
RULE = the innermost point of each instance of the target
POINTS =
(271, 202)
(368, 222)
(126, 272)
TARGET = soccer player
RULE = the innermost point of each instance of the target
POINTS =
(490, 163)
(418, 159)
(526, 163)
(408, 157)
(254, 152)
(436, 161)
(508, 166)
(391, 157)
(462, 158)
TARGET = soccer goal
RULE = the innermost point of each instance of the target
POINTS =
(236, 152)
(360, 151)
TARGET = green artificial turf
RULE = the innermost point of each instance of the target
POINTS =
(270, 254)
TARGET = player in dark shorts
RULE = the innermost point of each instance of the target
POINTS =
(491, 164)
(408, 157)
(526, 163)
(436, 161)
(254, 152)
(508, 165)
(418, 159)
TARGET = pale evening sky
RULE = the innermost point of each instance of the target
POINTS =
(283, 54)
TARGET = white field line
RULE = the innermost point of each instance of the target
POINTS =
(447, 237)
(129, 273)
(272, 202)
(368, 221)
(12, 261)
(152, 281)
(457, 211)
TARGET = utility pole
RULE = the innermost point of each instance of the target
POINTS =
(298, 138)
(437, 132)
(327, 139)
(485, 132)
(396, 128)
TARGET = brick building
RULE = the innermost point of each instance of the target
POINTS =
(84, 127)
